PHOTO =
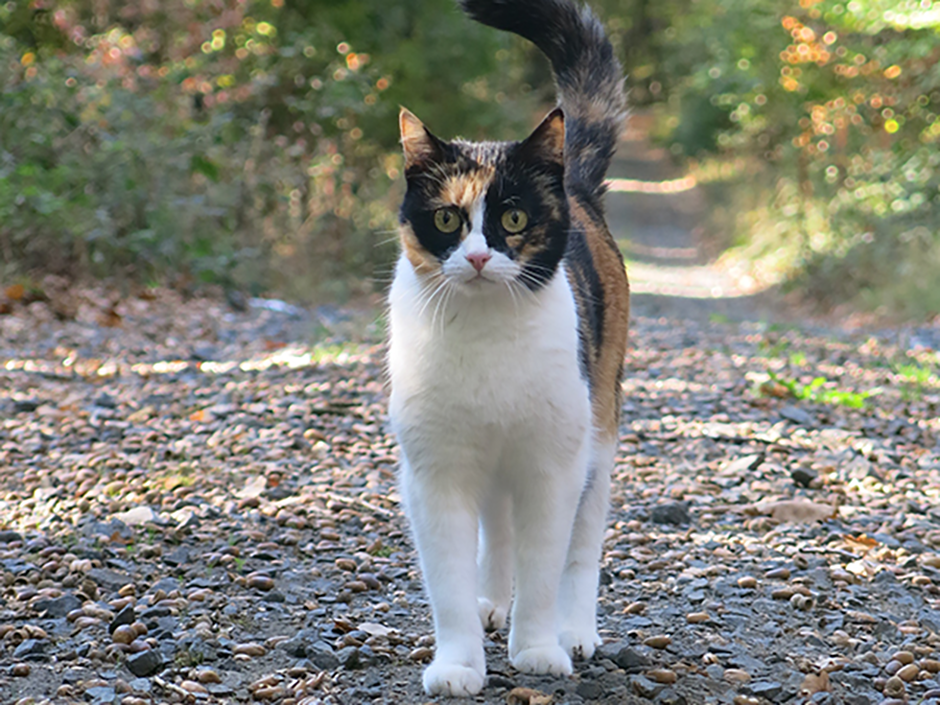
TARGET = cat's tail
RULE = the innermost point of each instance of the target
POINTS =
(588, 76)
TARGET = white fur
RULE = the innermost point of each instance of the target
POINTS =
(494, 421)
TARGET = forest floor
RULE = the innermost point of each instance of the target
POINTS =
(198, 504)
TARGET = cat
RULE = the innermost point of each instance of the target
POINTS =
(508, 318)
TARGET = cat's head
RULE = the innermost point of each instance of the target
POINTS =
(479, 214)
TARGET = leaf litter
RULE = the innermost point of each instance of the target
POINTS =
(199, 505)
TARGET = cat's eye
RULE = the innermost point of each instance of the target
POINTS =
(515, 220)
(447, 220)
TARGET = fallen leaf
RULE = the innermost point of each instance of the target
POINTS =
(15, 292)
(774, 389)
(802, 511)
(527, 696)
(864, 568)
(375, 629)
(816, 683)
(137, 516)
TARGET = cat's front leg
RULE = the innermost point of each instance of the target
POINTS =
(542, 519)
(495, 560)
(577, 597)
(444, 523)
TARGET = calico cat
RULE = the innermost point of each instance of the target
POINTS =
(508, 318)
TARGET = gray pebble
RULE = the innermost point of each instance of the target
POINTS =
(30, 650)
(676, 513)
(146, 663)
(58, 606)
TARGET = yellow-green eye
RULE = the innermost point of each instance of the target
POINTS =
(515, 220)
(447, 220)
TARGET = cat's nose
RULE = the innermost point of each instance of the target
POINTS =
(479, 260)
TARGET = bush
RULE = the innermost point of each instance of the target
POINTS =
(247, 144)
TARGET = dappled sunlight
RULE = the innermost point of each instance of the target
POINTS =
(667, 187)
(292, 358)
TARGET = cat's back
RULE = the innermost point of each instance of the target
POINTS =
(599, 284)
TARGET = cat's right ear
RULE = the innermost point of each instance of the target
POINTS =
(420, 146)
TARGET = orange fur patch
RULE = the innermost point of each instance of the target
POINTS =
(608, 361)
(423, 261)
(464, 190)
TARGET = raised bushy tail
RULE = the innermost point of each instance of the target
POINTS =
(588, 76)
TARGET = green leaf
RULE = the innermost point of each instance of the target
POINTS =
(203, 165)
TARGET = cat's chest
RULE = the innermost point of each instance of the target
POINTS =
(487, 356)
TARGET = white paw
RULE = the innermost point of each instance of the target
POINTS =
(543, 659)
(452, 680)
(580, 645)
(492, 617)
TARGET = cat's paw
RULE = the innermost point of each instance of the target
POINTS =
(579, 645)
(452, 680)
(492, 617)
(543, 659)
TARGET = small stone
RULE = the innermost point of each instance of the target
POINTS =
(269, 692)
(347, 564)
(124, 634)
(663, 675)
(194, 687)
(766, 689)
(145, 663)
(589, 690)
(747, 582)
(675, 513)
(930, 665)
(101, 695)
(350, 658)
(697, 617)
(58, 607)
(623, 656)
(20, 670)
(659, 641)
(249, 649)
(635, 608)
(260, 581)
(644, 687)
(802, 477)
(31, 649)
(903, 657)
(736, 675)
(671, 697)
(778, 574)
(421, 654)
(909, 672)
(892, 667)
(207, 675)
(321, 655)
(894, 687)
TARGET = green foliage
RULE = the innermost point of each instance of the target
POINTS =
(816, 125)
(243, 143)
(821, 391)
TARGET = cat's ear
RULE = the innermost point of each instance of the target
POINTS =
(547, 142)
(419, 145)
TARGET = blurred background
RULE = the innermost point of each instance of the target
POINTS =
(252, 144)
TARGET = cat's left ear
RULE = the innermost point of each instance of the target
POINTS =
(547, 142)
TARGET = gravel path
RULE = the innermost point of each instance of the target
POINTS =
(198, 505)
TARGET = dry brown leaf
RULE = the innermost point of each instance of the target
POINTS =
(798, 511)
(15, 292)
(527, 696)
(774, 389)
(816, 683)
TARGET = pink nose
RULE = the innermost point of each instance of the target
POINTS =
(479, 260)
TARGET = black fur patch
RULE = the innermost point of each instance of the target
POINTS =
(589, 78)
